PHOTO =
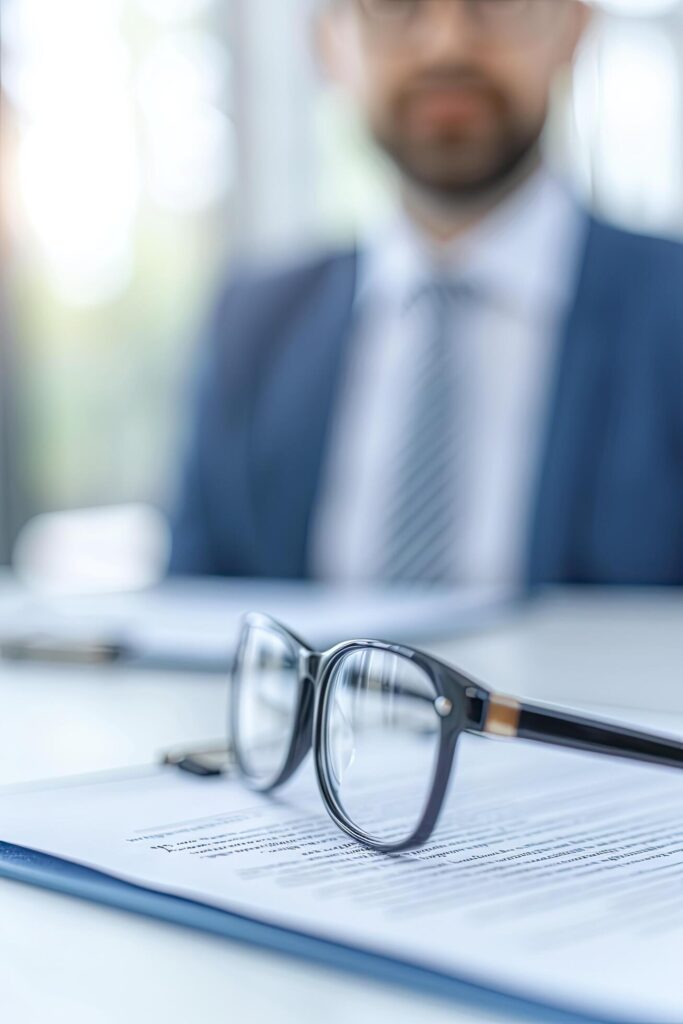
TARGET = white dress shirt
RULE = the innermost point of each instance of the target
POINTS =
(522, 261)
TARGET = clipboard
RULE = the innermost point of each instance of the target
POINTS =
(30, 867)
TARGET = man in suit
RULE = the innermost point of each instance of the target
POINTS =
(491, 390)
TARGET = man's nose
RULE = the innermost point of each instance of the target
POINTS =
(448, 29)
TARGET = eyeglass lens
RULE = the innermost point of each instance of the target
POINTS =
(381, 739)
(264, 702)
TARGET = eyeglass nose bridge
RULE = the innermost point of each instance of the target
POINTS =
(309, 664)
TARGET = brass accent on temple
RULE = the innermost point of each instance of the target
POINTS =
(502, 716)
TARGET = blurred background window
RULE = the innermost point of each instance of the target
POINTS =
(152, 140)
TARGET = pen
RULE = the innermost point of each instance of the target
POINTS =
(47, 649)
(71, 652)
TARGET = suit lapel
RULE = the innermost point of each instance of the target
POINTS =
(561, 523)
(294, 410)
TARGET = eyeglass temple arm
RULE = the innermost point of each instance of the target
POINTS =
(504, 716)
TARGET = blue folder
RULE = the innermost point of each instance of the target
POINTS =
(22, 865)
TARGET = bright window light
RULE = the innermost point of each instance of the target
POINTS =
(78, 164)
(190, 145)
(629, 112)
(647, 8)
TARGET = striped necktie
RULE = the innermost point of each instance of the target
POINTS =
(424, 497)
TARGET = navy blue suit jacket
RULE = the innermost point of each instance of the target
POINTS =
(609, 494)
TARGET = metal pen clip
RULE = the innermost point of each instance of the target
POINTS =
(206, 762)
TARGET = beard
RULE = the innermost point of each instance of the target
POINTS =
(457, 160)
(452, 179)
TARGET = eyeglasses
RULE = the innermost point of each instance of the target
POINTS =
(383, 721)
(491, 17)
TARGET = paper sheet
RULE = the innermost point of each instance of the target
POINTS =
(554, 875)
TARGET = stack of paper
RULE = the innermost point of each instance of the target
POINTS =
(553, 876)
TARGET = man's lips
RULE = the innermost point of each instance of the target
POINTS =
(447, 108)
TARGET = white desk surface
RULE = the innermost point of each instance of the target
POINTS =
(66, 960)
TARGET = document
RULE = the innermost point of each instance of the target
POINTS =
(554, 876)
(193, 624)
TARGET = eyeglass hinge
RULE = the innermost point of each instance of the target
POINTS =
(476, 706)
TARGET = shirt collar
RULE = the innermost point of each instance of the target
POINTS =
(523, 255)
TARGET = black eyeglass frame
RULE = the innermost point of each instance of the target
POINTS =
(461, 704)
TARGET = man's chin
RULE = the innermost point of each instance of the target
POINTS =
(460, 190)
(463, 180)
